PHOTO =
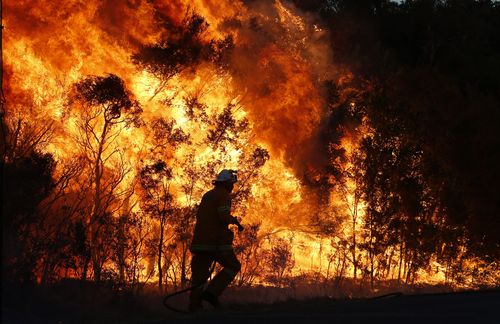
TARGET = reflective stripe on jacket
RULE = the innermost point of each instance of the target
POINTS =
(210, 248)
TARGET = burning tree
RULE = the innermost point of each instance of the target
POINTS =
(182, 48)
(27, 182)
(106, 110)
(155, 180)
(280, 260)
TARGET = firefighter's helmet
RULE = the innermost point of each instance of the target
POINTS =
(226, 176)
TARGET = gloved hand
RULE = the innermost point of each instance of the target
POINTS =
(240, 227)
(237, 223)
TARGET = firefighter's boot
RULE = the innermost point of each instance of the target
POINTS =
(211, 299)
(195, 300)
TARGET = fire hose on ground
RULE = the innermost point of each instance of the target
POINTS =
(180, 292)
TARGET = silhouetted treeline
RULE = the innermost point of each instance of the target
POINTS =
(427, 82)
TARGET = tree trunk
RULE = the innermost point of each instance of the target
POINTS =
(121, 249)
(328, 268)
(160, 251)
(341, 273)
(372, 256)
(400, 261)
(409, 269)
(96, 211)
(389, 264)
(354, 261)
(371, 251)
(183, 266)
(354, 218)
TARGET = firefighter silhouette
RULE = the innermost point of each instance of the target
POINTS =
(212, 242)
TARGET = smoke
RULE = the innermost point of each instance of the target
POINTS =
(279, 63)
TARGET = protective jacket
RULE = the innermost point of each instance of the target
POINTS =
(211, 232)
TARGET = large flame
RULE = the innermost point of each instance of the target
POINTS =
(276, 68)
(49, 47)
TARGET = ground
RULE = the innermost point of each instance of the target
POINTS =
(470, 307)
(61, 306)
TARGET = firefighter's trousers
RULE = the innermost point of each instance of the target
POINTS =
(200, 271)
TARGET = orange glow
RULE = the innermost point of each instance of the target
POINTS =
(273, 82)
